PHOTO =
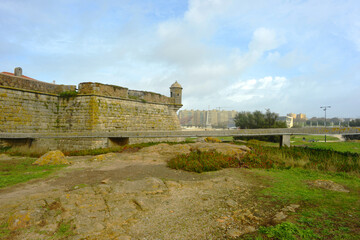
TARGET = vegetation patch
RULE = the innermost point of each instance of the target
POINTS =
(197, 161)
(351, 147)
(68, 94)
(65, 229)
(205, 161)
(22, 170)
(308, 158)
(288, 231)
(301, 139)
(212, 140)
(324, 214)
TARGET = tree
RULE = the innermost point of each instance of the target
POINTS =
(257, 119)
(354, 123)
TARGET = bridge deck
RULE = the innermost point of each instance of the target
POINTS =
(204, 133)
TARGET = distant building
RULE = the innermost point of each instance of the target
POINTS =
(293, 115)
(301, 116)
(289, 121)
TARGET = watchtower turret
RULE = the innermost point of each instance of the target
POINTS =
(18, 71)
(176, 92)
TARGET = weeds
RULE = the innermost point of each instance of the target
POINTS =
(25, 151)
(65, 229)
(268, 157)
(68, 94)
(197, 161)
(317, 159)
(288, 231)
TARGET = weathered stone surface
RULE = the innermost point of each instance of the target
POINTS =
(150, 185)
(231, 203)
(103, 157)
(279, 217)
(19, 219)
(329, 185)
(234, 233)
(184, 206)
(4, 157)
(290, 208)
(52, 158)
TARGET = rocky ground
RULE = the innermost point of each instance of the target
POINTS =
(133, 195)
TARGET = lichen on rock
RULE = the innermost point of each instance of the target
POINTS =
(52, 158)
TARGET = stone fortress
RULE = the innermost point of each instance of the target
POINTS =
(31, 106)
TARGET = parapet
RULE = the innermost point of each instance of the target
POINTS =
(102, 89)
(90, 88)
(23, 82)
(150, 97)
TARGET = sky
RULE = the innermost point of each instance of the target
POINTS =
(244, 55)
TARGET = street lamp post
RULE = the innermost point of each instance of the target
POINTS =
(324, 108)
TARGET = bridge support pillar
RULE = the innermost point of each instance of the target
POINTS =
(285, 140)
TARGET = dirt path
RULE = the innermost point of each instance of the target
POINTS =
(135, 196)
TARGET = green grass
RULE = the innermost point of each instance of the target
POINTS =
(323, 214)
(22, 170)
(310, 138)
(226, 139)
(288, 231)
(4, 230)
(348, 146)
(353, 147)
(65, 229)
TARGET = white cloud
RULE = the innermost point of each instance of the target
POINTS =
(200, 12)
(206, 45)
(267, 87)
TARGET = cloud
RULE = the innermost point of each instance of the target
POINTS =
(263, 40)
(267, 87)
(206, 45)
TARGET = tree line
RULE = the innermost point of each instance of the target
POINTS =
(257, 119)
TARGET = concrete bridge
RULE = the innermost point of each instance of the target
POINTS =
(285, 133)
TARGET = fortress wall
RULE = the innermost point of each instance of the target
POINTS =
(77, 114)
(111, 114)
(69, 144)
(97, 108)
(24, 111)
(32, 112)
(33, 85)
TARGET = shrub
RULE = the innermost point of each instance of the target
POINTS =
(197, 161)
(68, 94)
